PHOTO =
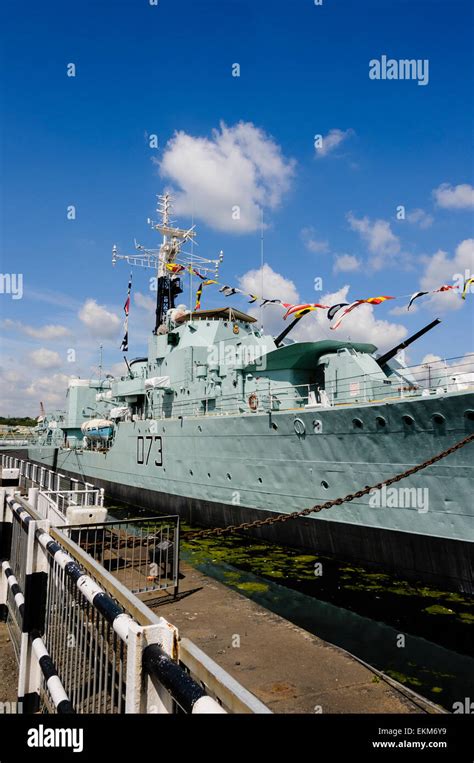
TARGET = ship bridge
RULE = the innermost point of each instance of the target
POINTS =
(219, 313)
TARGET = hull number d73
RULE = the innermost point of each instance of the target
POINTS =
(149, 445)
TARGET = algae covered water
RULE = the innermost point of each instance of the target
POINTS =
(416, 634)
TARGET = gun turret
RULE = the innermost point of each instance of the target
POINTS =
(383, 360)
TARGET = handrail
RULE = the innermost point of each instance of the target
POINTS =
(124, 608)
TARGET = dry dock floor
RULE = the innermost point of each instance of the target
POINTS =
(287, 668)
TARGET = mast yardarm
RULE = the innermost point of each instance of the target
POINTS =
(170, 252)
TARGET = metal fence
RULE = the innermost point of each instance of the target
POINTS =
(61, 505)
(15, 604)
(61, 499)
(88, 654)
(86, 643)
(35, 475)
(142, 553)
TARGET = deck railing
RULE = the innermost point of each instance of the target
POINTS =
(428, 379)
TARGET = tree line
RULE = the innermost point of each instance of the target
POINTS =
(17, 421)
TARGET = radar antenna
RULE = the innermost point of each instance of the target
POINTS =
(168, 284)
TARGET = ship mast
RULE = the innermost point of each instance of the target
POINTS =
(168, 284)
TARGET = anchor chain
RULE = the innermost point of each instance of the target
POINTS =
(335, 502)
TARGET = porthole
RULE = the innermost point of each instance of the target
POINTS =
(469, 415)
(199, 428)
(191, 472)
(229, 476)
(408, 420)
(317, 426)
(358, 423)
(324, 485)
(260, 480)
(209, 475)
(438, 418)
(381, 421)
(299, 426)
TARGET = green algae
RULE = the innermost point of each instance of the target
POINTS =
(291, 567)
(466, 617)
(437, 609)
(402, 678)
(232, 577)
(252, 587)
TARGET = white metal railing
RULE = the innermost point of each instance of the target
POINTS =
(53, 483)
(11, 443)
(57, 505)
(107, 651)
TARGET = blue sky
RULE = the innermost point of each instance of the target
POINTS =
(143, 69)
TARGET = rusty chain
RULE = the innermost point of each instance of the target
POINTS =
(335, 502)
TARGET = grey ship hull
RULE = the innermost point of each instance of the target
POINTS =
(219, 470)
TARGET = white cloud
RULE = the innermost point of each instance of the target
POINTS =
(21, 394)
(240, 166)
(270, 282)
(421, 218)
(454, 197)
(346, 263)
(44, 358)
(402, 309)
(10, 378)
(442, 269)
(116, 369)
(272, 286)
(51, 390)
(361, 325)
(49, 332)
(100, 321)
(382, 242)
(311, 242)
(145, 302)
(331, 141)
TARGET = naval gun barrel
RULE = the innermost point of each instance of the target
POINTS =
(383, 360)
(286, 331)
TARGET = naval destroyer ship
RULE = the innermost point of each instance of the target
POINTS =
(222, 424)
